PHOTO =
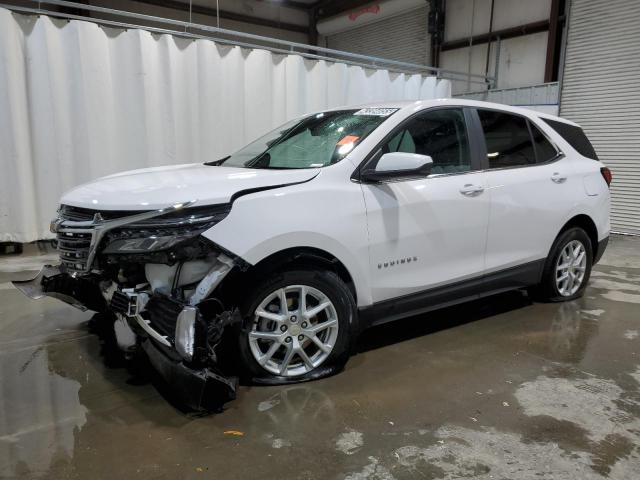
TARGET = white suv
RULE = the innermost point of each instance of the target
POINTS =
(267, 263)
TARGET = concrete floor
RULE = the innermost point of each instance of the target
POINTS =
(499, 388)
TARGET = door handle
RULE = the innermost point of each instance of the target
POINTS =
(471, 190)
(558, 178)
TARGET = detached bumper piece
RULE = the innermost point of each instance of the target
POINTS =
(197, 389)
(52, 282)
(184, 355)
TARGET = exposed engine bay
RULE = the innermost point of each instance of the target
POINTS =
(153, 276)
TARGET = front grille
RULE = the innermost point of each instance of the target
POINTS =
(74, 241)
(74, 249)
(77, 214)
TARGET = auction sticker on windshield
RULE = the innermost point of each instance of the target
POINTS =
(379, 112)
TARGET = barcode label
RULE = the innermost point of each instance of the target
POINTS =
(378, 112)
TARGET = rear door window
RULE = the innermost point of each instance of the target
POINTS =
(545, 151)
(507, 138)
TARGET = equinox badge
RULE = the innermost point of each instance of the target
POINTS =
(400, 261)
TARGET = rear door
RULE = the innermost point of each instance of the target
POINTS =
(529, 183)
(432, 231)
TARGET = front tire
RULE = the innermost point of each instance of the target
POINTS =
(568, 267)
(298, 325)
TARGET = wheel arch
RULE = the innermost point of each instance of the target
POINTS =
(586, 223)
(291, 258)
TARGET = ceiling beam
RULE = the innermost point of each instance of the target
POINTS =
(313, 27)
(329, 8)
(290, 4)
(238, 17)
(527, 29)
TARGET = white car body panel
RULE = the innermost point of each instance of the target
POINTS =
(417, 241)
(452, 236)
(159, 187)
(322, 214)
(521, 230)
(595, 199)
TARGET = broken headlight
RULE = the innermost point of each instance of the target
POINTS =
(164, 232)
(148, 244)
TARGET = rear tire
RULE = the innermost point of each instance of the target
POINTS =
(305, 340)
(567, 268)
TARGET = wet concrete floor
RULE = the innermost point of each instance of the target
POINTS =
(498, 388)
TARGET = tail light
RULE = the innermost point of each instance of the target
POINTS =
(607, 175)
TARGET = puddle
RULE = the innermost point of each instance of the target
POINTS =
(41, 415)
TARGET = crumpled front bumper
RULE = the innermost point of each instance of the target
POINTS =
(198, 389)
(53, 282)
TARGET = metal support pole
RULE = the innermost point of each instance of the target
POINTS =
(497, 65)
(486, 69)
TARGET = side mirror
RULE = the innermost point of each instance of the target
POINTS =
(398, 166)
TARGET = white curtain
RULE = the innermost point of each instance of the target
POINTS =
(78, 101)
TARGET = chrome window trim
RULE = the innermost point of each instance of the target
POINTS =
(431, 176)
(451, 174)
(560, 155)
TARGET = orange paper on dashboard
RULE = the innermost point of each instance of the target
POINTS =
(348, 139)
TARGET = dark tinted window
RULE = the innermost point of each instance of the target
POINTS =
(575, 137)
(508, 140)
(545, 151)
(441, 134)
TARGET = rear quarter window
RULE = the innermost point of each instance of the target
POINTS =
(574, 136)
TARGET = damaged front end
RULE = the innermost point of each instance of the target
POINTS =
(153, 274)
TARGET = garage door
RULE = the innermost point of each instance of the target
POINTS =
(601, 91)
(403, 37)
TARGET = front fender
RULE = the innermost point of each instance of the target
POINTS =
(330, 219)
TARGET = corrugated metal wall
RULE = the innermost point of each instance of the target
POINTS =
(403, 37)
(601, 92)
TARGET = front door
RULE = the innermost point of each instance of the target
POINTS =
(428, 232)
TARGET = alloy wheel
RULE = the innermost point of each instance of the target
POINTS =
(570, 268)
(294, 330)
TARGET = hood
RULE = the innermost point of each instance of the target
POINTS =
(159, 187)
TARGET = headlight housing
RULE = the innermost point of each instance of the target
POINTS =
(152, 243)
(164, 232)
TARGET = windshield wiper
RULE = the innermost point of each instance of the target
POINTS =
(217, 163)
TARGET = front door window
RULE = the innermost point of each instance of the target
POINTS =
(441, 134)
